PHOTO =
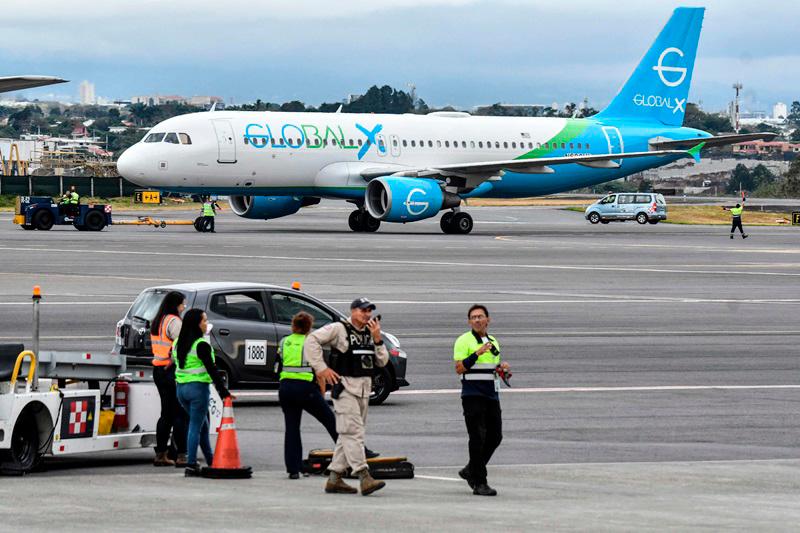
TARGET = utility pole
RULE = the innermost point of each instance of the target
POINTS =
(737, 87)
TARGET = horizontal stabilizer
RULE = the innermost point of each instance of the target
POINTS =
(661, 143)
(16, 83)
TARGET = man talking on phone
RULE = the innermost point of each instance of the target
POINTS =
(356, 350)
(477, 357)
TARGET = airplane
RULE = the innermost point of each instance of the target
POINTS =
(16, 83)
(406, 168)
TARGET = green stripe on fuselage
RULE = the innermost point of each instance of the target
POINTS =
(574, 128)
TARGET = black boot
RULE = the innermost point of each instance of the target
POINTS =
(370, 454)
(466, 475)
(482, 489)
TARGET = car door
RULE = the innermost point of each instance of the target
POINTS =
(243, 332)
(625, 206)
(608, 206)
(284, 305)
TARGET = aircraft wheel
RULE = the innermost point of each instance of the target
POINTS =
(369, 223)
(462, 223)
(43, 220)
(594, 217)
(355, 221)
(446, 222)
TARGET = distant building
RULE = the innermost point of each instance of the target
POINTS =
(161, 99)
(766, 148)
(207, 101)
(780, 111)
(86, 90)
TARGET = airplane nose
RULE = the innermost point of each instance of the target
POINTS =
(128, 165)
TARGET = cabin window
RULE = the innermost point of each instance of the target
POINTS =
(447, 144)
(571, 146)
(404, 143)
(563, 145)
(413, 143)
(587, 146)
(579, 146)
(359, 142)
(497, 144)
(480, 144)
(394, 142)
(472, 144)
(505, 145)
(430, 144)
(513, 144)
(438, 144)
(246, 140)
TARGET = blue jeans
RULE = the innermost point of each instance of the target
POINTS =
(194, 399)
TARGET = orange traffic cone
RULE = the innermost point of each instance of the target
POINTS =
(226, 464)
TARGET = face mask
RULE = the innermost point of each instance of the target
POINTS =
(207, 336)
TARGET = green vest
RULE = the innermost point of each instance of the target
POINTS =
(74, 198)
(194, 370)
(483, 369)
(737, 211)
(294, 367)
(208, 209)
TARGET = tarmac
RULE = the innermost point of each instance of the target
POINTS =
(656, 378)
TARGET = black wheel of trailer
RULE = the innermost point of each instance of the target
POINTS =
(382, 383)
(24, 451)
(43, 220)
(94, 221)
(198, 224)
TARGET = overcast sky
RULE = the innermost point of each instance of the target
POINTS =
(457, 52)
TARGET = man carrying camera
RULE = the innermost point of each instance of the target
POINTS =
(356, 350)
(477, 356)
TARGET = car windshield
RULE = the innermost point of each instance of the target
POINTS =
(147, 304)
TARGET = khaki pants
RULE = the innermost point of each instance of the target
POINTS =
(351, 421)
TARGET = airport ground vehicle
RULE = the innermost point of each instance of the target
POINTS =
(249, 319)
(643, 207)
(40, 212)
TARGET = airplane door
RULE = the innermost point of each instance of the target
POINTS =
(615, 143)
(225, 141)
(381, 144)
(395, 142)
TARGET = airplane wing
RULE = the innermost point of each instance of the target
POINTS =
(15, 83)
(540, 165)
(661, 143)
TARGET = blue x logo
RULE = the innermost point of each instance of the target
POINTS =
(370, 139)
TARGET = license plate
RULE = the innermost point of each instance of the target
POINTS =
(255, 352)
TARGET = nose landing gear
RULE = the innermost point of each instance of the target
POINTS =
(456, 223)
(361, 221)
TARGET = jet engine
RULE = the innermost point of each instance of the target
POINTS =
(267, 207)
(398, 199)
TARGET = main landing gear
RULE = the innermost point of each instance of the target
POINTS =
(361, 221)
(456, 222)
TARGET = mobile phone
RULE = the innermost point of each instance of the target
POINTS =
(337, 390)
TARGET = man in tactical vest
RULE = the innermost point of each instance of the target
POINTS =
(356, 350)
(477, 357)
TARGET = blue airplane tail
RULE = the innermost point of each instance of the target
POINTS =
(658, 89)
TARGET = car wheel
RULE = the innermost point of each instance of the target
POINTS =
(95, 221)
(43, 220)
(24, 451)
(382, 383)
(594, 217)
(641, 218)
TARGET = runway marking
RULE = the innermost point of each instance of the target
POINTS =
(438, 478)
(616, 463)
(604, 245)
(603, 300)
(608, 333)
(61, 337)
(68, 303)
(209, 257)
(55, 275)
(549, 390)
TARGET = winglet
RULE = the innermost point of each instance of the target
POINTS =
(695, 152)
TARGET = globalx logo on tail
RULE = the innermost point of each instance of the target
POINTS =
(653, 100)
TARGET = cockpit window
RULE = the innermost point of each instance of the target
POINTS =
(171, 138)
(185, 139)
(154, 138)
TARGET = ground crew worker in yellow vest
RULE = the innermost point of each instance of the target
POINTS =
(209, 212)
(194, 371)
(736, 220)
(356, 350)
(69, 202)
(163, 333)
(298, 392)
(477, 357)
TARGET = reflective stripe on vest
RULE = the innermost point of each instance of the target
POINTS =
(194, 370)
(74, 198)
(480, 372)
(161, 343)
(294, 364)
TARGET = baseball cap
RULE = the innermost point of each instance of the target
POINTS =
(362, 303)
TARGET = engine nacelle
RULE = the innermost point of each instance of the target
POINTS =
(398, 199)
(267, 207)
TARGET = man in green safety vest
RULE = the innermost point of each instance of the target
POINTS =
(736, 220)
(209, 212)
(69, 202)
(477, 357)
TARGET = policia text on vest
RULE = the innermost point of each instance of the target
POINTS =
(477, 357)
(356, 349)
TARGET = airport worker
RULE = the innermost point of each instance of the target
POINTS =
(477, 357)
(209, 212)
(356, 350)
(299, 392)
(195, 370)
(736, 218)
(164, 332)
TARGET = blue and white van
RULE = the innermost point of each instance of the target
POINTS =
(643, 207)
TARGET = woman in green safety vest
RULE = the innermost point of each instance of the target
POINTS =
(194, 371)
(299, 392)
